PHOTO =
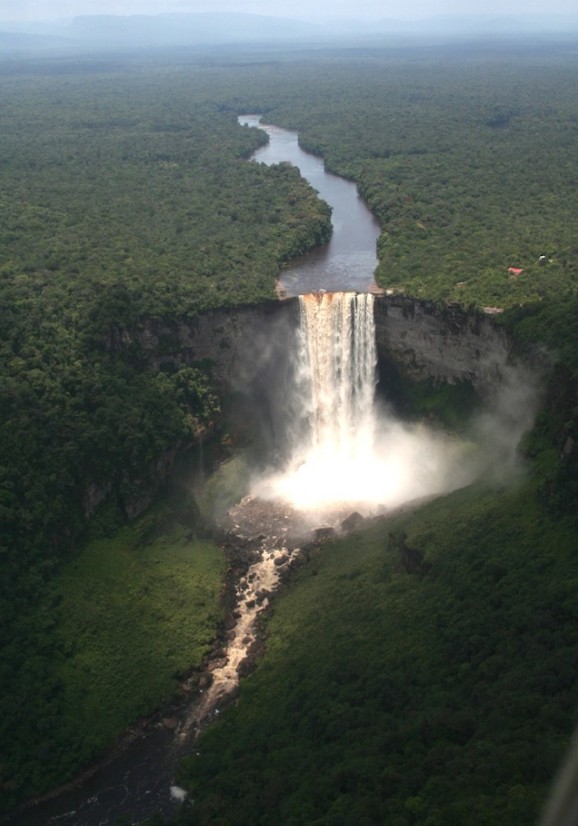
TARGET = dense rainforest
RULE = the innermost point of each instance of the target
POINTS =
(448, 696)
(123, 197)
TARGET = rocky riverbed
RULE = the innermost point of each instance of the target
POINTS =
(263, 543)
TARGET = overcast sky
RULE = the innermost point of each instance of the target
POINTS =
(361, 9)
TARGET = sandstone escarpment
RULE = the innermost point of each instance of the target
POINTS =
(423, 339)
(446, 343)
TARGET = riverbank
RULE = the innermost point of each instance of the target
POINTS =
(347, 262)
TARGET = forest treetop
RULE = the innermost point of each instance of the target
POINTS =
(126, 193)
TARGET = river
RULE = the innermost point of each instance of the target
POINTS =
(348, 261)
(135, 781)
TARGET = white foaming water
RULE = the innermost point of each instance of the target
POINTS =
(337, 362)
(343, 454)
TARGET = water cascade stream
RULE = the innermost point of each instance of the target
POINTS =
(338, 359)
(333, 437)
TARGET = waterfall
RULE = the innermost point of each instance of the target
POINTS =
(336, 372)
(333, 460)
(343, 454)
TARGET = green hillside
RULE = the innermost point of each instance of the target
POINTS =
(108, 639)
(441, 695)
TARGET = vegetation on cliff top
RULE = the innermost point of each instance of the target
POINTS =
(469, 166)
(120, 201)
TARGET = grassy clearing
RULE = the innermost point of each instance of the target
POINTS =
(133, 619)
(443, 696)
(123, 619)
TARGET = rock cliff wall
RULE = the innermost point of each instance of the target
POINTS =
(442, 342)
(235, 343)
(250, 344)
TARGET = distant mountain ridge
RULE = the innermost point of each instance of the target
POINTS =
(221, 28)
(165, 29)
(209, 27)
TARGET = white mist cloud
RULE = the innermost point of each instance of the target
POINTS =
(400, 463)
(509, 413)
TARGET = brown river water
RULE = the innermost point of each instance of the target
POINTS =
(347, 263)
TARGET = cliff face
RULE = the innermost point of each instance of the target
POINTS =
(444, 343)
(246, 350)
(247, 345)
(234, 343)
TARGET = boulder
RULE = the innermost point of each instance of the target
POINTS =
(352, 522)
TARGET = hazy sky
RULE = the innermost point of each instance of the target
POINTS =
(361, 9)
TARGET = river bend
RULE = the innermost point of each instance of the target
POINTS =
(347, 263)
